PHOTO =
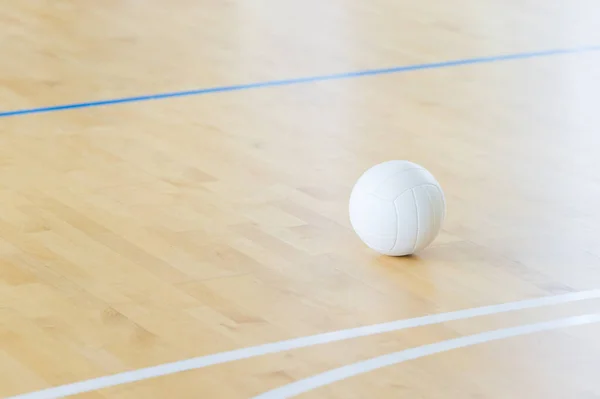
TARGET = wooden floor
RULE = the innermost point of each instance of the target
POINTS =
(141, 233)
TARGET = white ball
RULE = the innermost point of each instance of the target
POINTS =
(397, 208)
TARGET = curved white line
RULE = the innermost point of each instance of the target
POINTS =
(281, 346)
(351, 370)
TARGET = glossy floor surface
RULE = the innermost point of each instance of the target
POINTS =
(139, 233)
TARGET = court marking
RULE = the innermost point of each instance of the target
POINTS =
(309, 79)
(351, 370)
(281, 346)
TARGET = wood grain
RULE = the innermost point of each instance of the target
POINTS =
(142, 233)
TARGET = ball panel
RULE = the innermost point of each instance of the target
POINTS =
(397, 183)
(430, 213)
(407, 225)
(374, 220)
(378, 243)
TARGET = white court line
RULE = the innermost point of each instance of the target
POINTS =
(351, 370)
(281, 346)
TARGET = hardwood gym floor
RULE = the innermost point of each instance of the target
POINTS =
(138, 233)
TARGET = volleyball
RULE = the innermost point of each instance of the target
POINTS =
(397, 208)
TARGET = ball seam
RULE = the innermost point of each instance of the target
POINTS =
(417, 215)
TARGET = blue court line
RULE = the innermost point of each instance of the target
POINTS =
(309, 79)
